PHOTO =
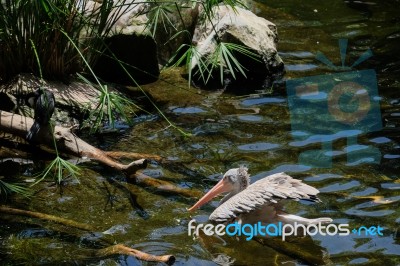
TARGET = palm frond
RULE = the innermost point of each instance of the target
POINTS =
(58, 169)
(7, 188)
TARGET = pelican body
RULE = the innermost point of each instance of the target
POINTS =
(260, 201)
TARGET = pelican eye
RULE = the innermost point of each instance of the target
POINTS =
(231, 178)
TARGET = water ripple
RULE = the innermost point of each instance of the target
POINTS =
(260, 146)
(322, 177)
(380, 140)
(300, 67)
(365, 192)
(250, 118)
(261, 101)
(325, 138)
(340, 186)
(188, 110)
(379, 213)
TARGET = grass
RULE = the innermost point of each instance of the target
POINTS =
(31, 29)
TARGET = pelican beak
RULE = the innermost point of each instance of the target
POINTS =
(221, 187)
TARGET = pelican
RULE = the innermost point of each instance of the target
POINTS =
(260, 201)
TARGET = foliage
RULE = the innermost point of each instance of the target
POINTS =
(109, 104)
(222, 61)
(224, 58)
(8, 187)
(57, 38)
(189, 55)
(209, 4)
(41, 23)
(58, 169)
(159, 14)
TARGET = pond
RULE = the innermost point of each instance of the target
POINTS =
(354, 161)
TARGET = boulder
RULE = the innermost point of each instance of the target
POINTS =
(138, 54)
(129, 41)
(174, 28)
(126, 16)
(240, 26)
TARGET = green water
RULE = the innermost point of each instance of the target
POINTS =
(229, 131)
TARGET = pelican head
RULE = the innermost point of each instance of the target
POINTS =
(232, 182)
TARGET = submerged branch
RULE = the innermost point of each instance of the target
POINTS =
(164, 186)
(133, 155)
(117, 249)
(47, 217)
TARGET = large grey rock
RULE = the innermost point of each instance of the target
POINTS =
(126, 16)
(129, 41)
(242, 27)
(174, 22)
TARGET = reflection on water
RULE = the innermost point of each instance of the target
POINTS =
(261, 101)
(227, 133)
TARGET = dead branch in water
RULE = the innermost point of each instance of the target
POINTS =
(133, 155)
(164, 186)
(67, 142)
(124, 250)
(118, 249)
(47, 217)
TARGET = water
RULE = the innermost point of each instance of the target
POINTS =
(357, 186)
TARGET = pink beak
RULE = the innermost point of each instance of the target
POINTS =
(221, 187)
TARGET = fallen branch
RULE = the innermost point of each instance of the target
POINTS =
(118, 249)
(66, 142)
(124, 250)
(47, 217)
(164, 186)
(133, 155)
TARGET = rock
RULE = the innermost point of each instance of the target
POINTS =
(129, 41)
(8, 102)
(73, 100)
(138, 53)
(75, 95)
(126, 16)
(240, 26)
(174, 22)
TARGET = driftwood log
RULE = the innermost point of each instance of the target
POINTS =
(67, 142)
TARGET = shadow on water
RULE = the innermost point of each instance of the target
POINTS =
(357, 175)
